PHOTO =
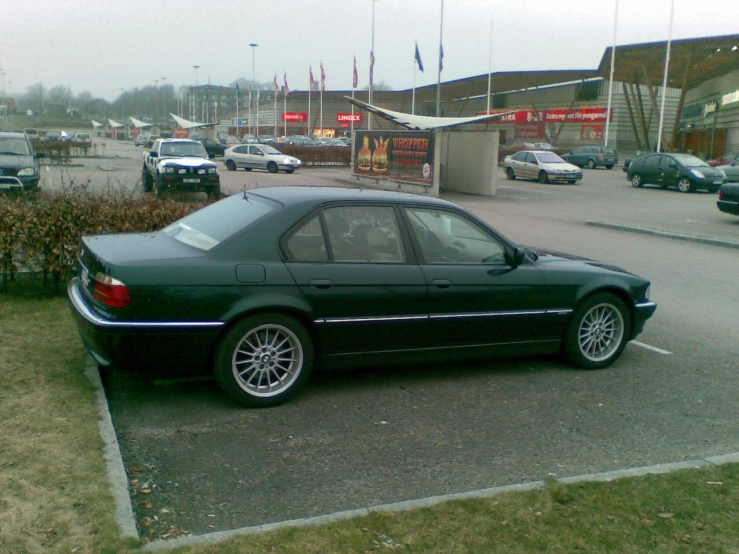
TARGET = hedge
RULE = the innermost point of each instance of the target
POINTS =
(40, 233)
(317, 155)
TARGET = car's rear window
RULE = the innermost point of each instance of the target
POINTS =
(610, 151)
(209, 227)
(690, 161)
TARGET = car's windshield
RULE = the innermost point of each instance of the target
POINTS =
(207, 228)
(550, 158)
(690, 161)
(184, 149)
(270, 150)
(10, 146)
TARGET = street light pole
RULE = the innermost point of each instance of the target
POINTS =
(372, 61)
(156, 100)
(164, 101)
(193, 100)
(254, 82)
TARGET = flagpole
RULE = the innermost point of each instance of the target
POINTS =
(257, 104)
(490, 66)
(250, 110)
(237, 112)
(610, 79)
(275, 115)
(310, 88)
(321, 109)
(438, 77)
(413, 96)
(664, 81)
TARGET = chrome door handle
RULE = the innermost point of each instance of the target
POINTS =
(441, 283)
(321, 283)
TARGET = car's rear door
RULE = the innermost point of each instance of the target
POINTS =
(355, 267)
(240, 156)
(668, 171)
(257, 158)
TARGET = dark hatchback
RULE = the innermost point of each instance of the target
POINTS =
(728, 198)
(592, 157)
(263, 284)
(683, 171)
(19, 166)
(212, 147)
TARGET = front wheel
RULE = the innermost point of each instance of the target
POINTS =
(214, 192)
(230, 165)
(289, 171)
(572, 181)
(509, 173)
(598, 332)
(683, 185)
(147, 180)
(272, 167)
(636, 180)
(161, 190)
(609, 166)
(591, 164)
(264, 359)
(543, 177)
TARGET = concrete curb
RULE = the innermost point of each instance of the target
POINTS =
(113, 460)
(664, 234)
(212, 538)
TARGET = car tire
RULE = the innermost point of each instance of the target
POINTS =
(683, 185)
(609, 166)
(147, 181)
(247, 169)
(272, 167)
(289, 171)
(230, 165)
(214, 192)
(591, 164)
(598, 331)
(161, 190)
(256, 345)
(509, 173)
(543, 177)
(636, 181)
(572, 181)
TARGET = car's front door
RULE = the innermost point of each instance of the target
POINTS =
(477, 297)
(356, 270)
(257, 158)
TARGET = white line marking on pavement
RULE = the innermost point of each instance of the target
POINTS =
(650, 347)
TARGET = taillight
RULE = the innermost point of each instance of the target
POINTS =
(111, 291)
(720, 194)
(601, 155)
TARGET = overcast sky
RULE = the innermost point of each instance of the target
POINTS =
(104, 46)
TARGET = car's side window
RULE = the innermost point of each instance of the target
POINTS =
(306, 243)
(364, 234)
(450, 238)
(241, 149)
(519, 156)
(255, 150)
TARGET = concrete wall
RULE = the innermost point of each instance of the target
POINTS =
(469, 162)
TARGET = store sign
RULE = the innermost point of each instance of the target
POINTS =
(294, 116)
(730, 98)
(579, 115)
(694, 110)
(592, 131)
(349, 117)
(528, 131)
(399, 155)
(709, 107)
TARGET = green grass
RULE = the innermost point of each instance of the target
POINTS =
(54, 494)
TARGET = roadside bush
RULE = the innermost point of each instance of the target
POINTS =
(55, 151)
(40, 233)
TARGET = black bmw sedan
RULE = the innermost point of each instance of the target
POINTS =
(263, 285)
(684, 171)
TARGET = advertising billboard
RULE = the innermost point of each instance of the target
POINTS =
(399, 155)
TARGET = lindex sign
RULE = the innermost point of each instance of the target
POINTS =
(342, 117)
(557, 115)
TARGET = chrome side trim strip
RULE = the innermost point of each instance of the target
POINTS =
(370, 319)
(645, 305)
(563, 311)
(80, 305)
(455, 347)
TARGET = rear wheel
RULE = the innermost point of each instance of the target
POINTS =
(509, 173)
(230, 165)
(609, 166)
(636, 180)
(289, 171)
(264, 359)
(591, 164)
(161, 190)
(247, 169)
(543, 177)
(598, 332)
(147, 180)
(272, 167)
(683, 185)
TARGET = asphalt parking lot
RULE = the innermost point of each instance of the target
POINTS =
(198, 463)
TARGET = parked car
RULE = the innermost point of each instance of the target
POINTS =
(544, 146)
(229, 140)
(248, 139)
(32, 133)
(259, 156)
(338, 142)
(267, 139)
(724, 160)
(728, 198)
(82, 139)
(684, 171)
(212, 147)
(151, 140)
(300, 140)
(142, 139)
(263, 285)
(592, 157)
(51, 136)
(731, 171)
(541, 165)
(19, 167)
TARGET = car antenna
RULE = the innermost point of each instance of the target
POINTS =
(245, 196)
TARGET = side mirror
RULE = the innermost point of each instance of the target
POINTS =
(672, 165)
(516, 258)
(153, 154)
(211, 155)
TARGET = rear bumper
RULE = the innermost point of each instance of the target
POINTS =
(184, 346)
(728, 206)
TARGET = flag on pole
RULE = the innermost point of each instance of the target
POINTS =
(323, 78)
(238, 91)
(372, 68)
(277, 87)
(287, 88)
(418, 59)
(355, 79)
(311, 77)
(441, 57)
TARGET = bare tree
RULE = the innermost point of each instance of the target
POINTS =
(36, 97)
(84, 102)
(60, 95)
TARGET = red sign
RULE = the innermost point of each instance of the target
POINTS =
(294, 116)
(578, 115)
(529, 131)
(591, 131)
(181, 133)
(349, 117)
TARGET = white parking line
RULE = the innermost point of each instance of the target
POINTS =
(650, 347)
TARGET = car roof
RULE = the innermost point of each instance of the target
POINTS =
(13, 134)
(295, 195)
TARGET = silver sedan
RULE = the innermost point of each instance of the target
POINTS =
(259, 156)
(543, 166)
(731, 171)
